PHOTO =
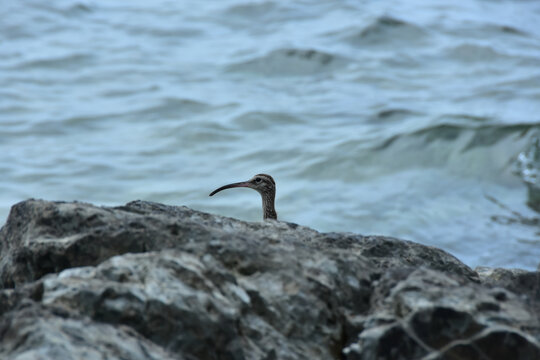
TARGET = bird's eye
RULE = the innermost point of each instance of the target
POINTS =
(257, 180)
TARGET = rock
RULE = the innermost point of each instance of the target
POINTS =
(519, 281)
(41, 237)
(195, 305)
(33, 331)
(430, 315)
(494, 344)
(147, 280)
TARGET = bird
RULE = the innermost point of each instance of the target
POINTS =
(265, 185)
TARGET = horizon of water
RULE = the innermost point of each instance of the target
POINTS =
(394, 118)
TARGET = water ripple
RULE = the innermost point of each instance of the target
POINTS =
(292, 62)
(398, 118)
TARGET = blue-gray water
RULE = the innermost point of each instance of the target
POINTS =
(400, 118)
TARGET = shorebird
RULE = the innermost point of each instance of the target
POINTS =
(265, 185)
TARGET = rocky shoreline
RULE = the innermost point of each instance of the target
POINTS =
(150, 281)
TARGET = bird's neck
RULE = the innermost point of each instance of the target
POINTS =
(269, 212)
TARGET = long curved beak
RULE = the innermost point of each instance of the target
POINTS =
(234, 185)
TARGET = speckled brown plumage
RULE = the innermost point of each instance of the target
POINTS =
(265, 185)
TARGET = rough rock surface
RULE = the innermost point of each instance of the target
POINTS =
(150, 281)
(525, 283)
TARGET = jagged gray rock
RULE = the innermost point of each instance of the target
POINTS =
(42, 237)
(37, 332)
(425, 314)
(147, 280)
(517, 280)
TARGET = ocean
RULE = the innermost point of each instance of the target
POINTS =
(398, 118)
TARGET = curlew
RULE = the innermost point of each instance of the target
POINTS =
(265, 185)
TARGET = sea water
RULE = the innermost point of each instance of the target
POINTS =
(399, 118)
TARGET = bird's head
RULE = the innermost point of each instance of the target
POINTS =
(262, 183)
